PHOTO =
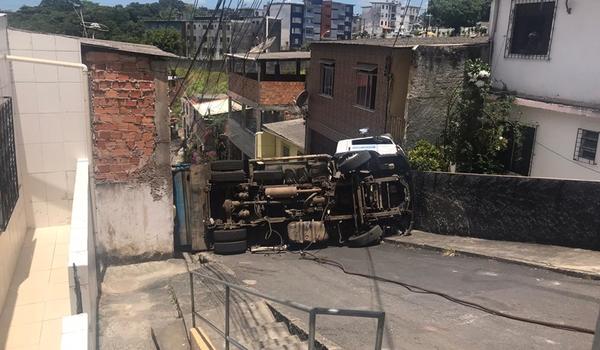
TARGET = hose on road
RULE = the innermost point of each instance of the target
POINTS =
(416, 289)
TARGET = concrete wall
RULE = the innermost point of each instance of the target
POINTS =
(556, 136)
(11, 239)
(52, 124)
(568, 74)
(511, 208)
(133, 187)
(435, 74)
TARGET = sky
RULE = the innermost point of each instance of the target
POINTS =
(15, 4)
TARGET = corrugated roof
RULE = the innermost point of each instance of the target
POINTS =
(215, 107)
(409, 42)
(127, 47)
(291, 130)
(283, 55)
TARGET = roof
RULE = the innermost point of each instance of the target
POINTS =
(215, 107)
(410, 42)
(127, 47)
(291, 130)
(283, 55)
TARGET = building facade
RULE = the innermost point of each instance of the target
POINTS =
(397, 89)
(383, 18)
(539, 55)
(266, 87)
(292, 23)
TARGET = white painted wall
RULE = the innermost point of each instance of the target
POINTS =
(11, 239)
(572, 71)
(52, 124)
(558, 132)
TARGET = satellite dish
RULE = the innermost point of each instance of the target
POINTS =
(301, 99)
(263, 46)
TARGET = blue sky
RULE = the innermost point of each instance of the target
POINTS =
(15, 4)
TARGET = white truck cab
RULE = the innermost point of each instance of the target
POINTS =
(384, 145)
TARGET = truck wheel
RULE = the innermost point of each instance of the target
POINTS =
(354, 161)
(239, 234)
(224, 248)
(268, 177)
(370, 237)
(226, 165)
(228, 176)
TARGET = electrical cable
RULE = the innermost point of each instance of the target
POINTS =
(469, 304)
(565, 158)
(401, 23)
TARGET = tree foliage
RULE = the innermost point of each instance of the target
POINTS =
(427, 157)
(167, 39)
(459, 13)
(477, 123)
(125, 23)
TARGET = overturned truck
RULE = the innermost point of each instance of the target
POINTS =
(354, 197)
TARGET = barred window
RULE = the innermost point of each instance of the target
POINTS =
(9, 185)
(327, 78)
(586, 146)
(530, 28)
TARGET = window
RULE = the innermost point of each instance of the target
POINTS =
(296, 31)
(285, 150)
(296, 41)
(296, 20)
(366, 83)
(586, 146)
(9, 184)
(530, 30)
(327, 78)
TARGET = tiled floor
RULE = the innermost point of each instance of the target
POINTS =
(39, 294)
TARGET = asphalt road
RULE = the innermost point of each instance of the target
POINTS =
(424, 321)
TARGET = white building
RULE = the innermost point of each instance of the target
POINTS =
(546, 51)
(385, 17)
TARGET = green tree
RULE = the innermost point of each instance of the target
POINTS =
(477, 123)
(167, 39)
(458, 13)
(426, 157)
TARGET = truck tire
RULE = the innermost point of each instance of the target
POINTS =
(268, 177)
(239, 234)
(224, 248)
(354, 161)
(226, 165)
(228, 176)
(372, 236)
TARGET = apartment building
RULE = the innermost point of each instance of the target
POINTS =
(327, 20)
(546, 53)
(382, 18)
(291, 16)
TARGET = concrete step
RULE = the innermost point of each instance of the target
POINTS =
(276, 343)
(295, 346)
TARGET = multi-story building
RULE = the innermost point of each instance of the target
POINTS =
(384, 17)
(291, 16)
(266, 86)
(546, 53)
(399, 89)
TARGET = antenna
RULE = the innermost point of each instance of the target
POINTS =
(95, 27)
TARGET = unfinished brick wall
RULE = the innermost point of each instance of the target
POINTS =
(123, 100)
(279, 92)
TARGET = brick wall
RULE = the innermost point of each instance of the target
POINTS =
(279, 92)
(123, 100)
(242, 86)
(340, 112)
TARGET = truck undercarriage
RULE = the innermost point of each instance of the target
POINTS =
(353, 198)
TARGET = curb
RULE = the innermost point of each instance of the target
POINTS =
(569, 272)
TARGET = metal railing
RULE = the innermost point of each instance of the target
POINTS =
(9, 184)
(312, 313)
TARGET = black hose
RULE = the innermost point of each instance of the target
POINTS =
(470, 304)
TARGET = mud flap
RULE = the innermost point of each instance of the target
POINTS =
(371, 237)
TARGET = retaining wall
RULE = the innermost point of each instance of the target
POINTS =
(511, 208)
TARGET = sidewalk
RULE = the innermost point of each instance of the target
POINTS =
(572, 261)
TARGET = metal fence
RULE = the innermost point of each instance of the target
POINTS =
(311, 311)
(9, 185)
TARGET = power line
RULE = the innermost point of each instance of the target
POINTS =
(403, 17)
(567, 159)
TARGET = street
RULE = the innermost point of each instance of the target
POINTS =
(425, 321)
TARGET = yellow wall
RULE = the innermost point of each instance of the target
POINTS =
(270, 145)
